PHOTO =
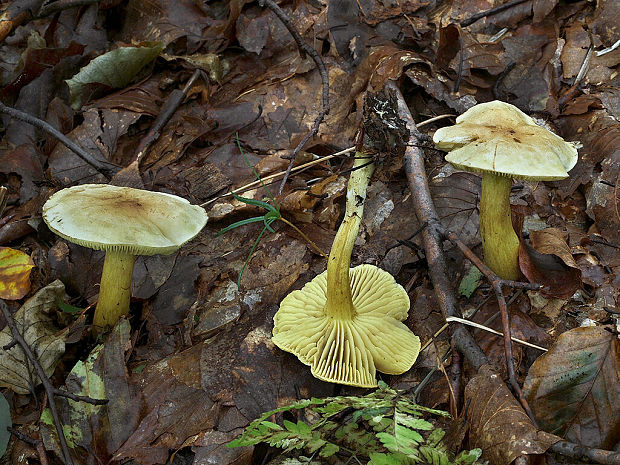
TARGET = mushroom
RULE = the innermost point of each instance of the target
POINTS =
(501, 142)
(124, 222)
(347, 323)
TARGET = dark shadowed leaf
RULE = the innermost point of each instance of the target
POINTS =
(456, 198)
(5, 422)
(99, 429)
(574, 389)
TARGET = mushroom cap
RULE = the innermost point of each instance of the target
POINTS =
(349, 351)
(123, 219)
(497, 137)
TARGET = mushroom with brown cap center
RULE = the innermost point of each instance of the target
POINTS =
(347, 323)
(124, 222)
(501, 142)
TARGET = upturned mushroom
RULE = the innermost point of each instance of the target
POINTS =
(347, 323)
(501, 142)
(124, 222)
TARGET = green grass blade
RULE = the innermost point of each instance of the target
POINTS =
(256, 203)
(247, 260)
(230, 227)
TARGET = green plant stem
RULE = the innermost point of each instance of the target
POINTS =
(306, 238)
(339, 303)
(115, 289)
(499, 240)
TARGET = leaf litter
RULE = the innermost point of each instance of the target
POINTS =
(194, 364)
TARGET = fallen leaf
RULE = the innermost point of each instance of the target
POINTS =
(98, 429)
(37, 328)
(24, 161)
(15, 267)
(574, 389)
(550, 263)
(178, 293)
(5, 423)
(99, 135)
(173, 407)
(113, 69)
(456, 197)
(499, 426)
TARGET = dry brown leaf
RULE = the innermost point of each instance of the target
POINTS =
(41, 334)
(574, 389)
(550, 263)
(499, 426)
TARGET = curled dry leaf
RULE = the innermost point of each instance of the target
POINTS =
(499, 426)
(550, 263)
(15, 267)
(98, 428)
(40, 333)
(574, 389)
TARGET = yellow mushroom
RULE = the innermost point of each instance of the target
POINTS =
(347, 323)
(501, 142)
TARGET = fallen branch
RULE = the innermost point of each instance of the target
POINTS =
(304, 49)
(106, 168)
(50, 391)
(413, 162)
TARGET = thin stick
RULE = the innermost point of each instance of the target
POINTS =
(433, 119)
(472, 19)
(498, 285)
(413, 161)
(168, 109)
(61, 5)
(491, 330)
(107, 168)
(303, 49)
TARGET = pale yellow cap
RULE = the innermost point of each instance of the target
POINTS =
(135, 221)
(497, 137)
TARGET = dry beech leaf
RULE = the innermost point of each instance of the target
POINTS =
(37, 328)
(499, 426)
(15, 267)
(574, 389)
(550, 263)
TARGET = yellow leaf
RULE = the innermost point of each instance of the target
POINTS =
(15, 267)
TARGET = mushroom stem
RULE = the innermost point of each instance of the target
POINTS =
(339, 302)
(499, 240)
(115, 289)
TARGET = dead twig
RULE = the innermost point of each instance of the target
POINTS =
(50, 391)
(413, 161)
(578, 452)
(472, 19)
(106, 168)
(304, 49)
(168, 109)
